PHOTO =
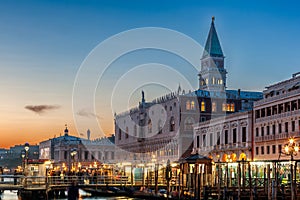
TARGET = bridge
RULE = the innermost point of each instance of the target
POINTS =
(46, 186)
(17, 182)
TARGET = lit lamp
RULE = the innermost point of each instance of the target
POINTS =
(291, 149)
(95, 165)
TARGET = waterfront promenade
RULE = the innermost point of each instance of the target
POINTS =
(233, 188)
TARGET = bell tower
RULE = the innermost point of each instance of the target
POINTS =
(212, 75)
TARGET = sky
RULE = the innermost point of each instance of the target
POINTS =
(45, 45)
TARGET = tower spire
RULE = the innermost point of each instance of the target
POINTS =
(212, 45)
(213, 74)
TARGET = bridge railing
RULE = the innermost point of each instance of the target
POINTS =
(11, 179)
(34, 182)
(29, 182)
(87, 180)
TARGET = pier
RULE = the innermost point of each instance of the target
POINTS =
(238, 180)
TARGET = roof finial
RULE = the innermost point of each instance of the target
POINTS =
(212, 19)
(143, 96)
(66, 130)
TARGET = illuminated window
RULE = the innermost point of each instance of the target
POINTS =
(224, 106)
(232, 107)
(206, 81)
(188, 105)
(214, 107)
(221, 81)
(213, 80)
(228, 107)
(193, 105)
(202, 106)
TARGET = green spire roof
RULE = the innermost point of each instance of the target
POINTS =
(212, 46)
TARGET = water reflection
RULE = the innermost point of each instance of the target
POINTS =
(12, 195)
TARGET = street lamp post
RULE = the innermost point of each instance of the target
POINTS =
(168, 177)
(73, 154)
(291, 149)
(23, 160)
(26, 148)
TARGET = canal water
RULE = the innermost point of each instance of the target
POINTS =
(12, 195)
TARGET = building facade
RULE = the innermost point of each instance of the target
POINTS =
(163, 128)
(277, 118)
(85, 151)
(225, 139)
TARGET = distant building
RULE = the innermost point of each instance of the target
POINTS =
(3, 153)
(16, 151)
(12, 158)
(59, 150)
(163, 128)
(277, 118)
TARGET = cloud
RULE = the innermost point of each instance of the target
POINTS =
(40, 109)
(88, 114)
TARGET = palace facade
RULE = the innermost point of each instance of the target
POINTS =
(162, 129)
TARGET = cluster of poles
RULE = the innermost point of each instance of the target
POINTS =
(239, 179)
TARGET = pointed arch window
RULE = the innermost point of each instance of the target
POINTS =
(232, 107)
(188, 105)
(135, 130)
(228, 107)
(224, 107)
(203, 106)
(206, 81)
(159, 126)
(213, 80)
(172, 124)
(192, 105)
(120, 134)
(126, 134)
(149, 126)
(214, 107)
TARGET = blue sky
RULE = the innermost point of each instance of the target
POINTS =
(43, 43)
